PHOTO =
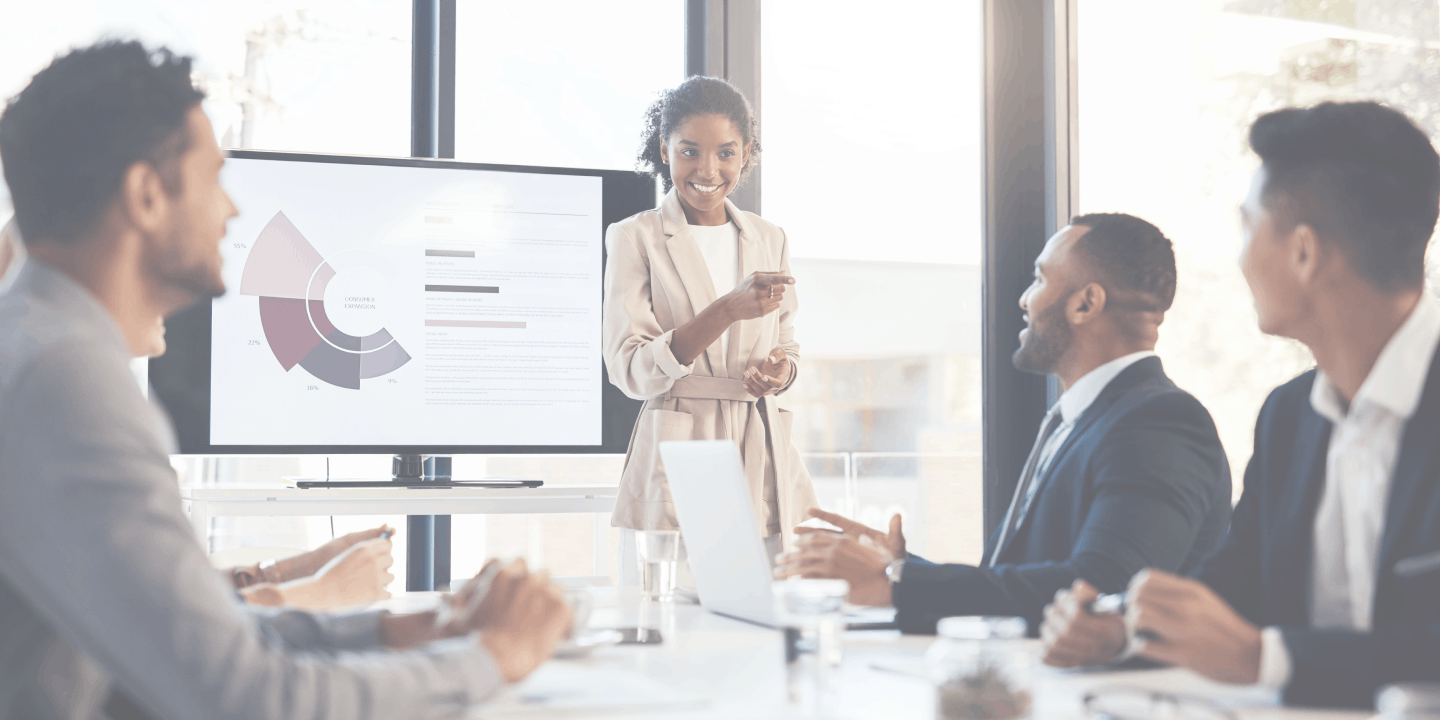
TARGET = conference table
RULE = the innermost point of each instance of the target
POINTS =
(709, 666)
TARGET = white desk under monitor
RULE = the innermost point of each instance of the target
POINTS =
(205, 502)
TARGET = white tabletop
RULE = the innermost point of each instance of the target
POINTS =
(734, 669)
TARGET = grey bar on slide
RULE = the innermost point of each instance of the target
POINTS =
(475, 324)
(462, 288)
(450, 253)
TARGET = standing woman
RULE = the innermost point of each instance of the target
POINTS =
(699, 312)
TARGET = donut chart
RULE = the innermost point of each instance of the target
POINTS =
(290, 278)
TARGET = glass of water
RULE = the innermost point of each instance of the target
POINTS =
(659, 553)
(811, 612)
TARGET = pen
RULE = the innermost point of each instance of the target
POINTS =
(1112, 603)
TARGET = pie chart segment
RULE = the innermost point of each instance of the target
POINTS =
(290, 278)
(334, 366)
(287, 330)
(344, 342)
(319, 321)
(376, 341)
(382, 361)
(281, 263)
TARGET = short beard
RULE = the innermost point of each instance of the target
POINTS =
(1049, 337)
(175, 275)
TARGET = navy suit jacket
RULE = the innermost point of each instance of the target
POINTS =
(1263, 569)
(1141, 481)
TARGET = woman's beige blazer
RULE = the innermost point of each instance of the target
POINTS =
(655, 281)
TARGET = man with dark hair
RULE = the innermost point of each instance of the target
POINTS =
(1326, 586)
(1127, 470)
(108, 606)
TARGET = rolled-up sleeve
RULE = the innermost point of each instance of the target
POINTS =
(789, 307)
(665, 358)
(95, 545)
(637, 349)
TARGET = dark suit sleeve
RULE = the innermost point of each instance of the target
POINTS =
(1154, 476)
(1345, 668)
(1233, 572)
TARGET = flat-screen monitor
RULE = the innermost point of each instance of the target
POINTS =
(406, 306)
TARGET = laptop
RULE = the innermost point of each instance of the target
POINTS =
(722, 538)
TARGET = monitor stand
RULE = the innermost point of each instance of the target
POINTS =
(424, 472)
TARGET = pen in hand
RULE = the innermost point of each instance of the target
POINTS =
(1115, 604)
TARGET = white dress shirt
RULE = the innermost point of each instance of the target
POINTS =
(1359, 465)
(720, 245)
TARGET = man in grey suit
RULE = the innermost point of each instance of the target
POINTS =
(108, 607)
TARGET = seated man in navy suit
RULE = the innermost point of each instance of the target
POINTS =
(1326, 586)
(1127, 471)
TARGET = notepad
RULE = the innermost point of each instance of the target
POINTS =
(560, 689)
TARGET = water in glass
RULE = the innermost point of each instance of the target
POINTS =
(659, 553)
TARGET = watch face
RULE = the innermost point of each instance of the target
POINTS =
(893, 570)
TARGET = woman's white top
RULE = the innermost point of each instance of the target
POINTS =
(720, 246)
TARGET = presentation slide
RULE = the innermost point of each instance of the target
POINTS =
(378, 305)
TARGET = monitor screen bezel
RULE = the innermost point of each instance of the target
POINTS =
(179, 370)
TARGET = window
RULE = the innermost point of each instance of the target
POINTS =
(312, 75)
(1167, 92)
(872, 165)
(562, 83)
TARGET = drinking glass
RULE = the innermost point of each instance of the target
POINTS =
(811, 614)
(982, 669)
(659, 553)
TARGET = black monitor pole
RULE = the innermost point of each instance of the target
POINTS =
(432, 135)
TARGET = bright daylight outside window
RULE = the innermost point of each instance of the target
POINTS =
(562, 84)
(313, 75)
(872, 166)
(1167, 93)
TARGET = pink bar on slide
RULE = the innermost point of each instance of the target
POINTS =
(475, 324)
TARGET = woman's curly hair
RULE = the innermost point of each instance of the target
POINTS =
(696, 96)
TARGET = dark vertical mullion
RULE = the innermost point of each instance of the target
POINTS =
(696, 37)
(1062, 166)
(425, 79)
(739, 54)
(420, 535)
(1015, 207)
(446, 81)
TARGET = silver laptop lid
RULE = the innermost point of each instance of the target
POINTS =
(722, 538)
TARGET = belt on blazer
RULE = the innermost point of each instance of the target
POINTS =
(706, 388)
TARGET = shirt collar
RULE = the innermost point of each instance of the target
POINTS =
(1078, 398)
(1398, 376)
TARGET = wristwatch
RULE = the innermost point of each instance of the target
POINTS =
(894, 569)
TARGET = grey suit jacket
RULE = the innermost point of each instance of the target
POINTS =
(104, 592)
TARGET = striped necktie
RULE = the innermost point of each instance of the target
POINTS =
(1027, 476)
